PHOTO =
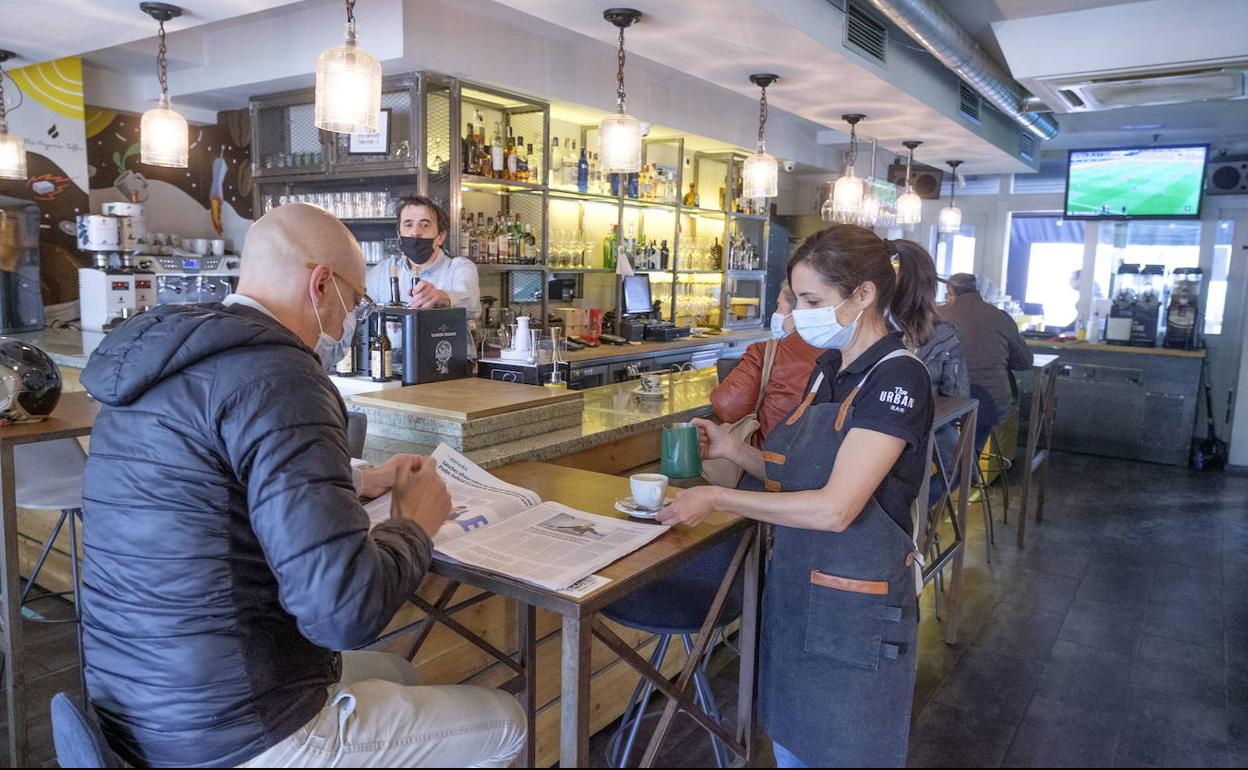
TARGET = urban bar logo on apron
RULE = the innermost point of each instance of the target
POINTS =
(899, 398)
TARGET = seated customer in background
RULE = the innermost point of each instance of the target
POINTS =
(226, 555)
(993, 348)
(735, 397)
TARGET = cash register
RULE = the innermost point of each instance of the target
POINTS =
(640, 314)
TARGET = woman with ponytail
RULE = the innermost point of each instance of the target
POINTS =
(840, 611)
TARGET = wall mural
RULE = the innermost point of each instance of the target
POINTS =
(45, 107)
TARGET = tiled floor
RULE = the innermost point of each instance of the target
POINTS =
(1118, 637)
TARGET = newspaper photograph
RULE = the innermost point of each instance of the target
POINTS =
(551, 545)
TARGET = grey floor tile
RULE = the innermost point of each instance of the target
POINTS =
(1055, 733)
(1188, 621)
(1167, 729)
(1109, 627)
(947, 737)
(1017, 631)
(991, 686)
(1086, 678)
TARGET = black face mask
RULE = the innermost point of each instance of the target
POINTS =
(418, 250)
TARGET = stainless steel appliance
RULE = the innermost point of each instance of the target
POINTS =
(21, 303)
(185, 278)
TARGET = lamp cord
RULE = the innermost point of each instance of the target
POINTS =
(762, 118)
(852, 157)
(909, 165)
(4, 124)
(619, 87)
(350, 11)
(162, 64)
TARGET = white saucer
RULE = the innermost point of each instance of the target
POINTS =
(639, 391)
(627, 506)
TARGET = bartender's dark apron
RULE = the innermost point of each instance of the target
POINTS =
(840, 616)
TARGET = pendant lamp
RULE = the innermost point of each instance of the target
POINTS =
(619, 134)
(760, 173)
(164, 136)
(909, 204)
(951, 216)
(12, 148)
(348, 86)
(848, 191)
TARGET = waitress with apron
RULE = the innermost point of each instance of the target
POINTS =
(840, 614)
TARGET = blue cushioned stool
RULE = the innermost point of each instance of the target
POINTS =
(77, 736)
(675, 606)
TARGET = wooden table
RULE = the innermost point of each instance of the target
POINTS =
(72, 418)
(581, 622)
(929, 520)
(1039, 430)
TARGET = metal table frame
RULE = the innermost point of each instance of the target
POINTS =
(1039, 431)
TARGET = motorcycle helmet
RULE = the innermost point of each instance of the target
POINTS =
(30, 382)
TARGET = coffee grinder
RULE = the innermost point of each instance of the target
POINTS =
(112, 289)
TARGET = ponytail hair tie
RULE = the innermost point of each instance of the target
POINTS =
(895, 261)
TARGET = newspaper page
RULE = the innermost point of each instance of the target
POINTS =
(478, 499)
(551, 545)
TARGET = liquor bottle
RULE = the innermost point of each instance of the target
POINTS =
(474, 242)
(395, 299)
(483, 238)
(517, 242)
(491, 239)
(691, 197)
(595, 176)
(469, 138)
(717, 255)
(652, 255)
(500, 236)
(664, 256)
(615, 184)
(380, 354)
(582, 173)
(485, 165)
(530, 246)
(610, 246)
(632, 185)
(522, 163)
(496, 152)
(346, 365)
(568, 178)
(510, 161)
(723, 197)
(556, 162)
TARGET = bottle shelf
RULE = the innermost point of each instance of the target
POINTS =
(499, 185)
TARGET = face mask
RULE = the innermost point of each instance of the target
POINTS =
(819, 327)
(331, 350)
(777, 326)
(418, 250)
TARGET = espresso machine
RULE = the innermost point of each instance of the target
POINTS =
(113, 288)
(187, 278)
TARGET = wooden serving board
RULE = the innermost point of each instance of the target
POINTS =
(467, 399)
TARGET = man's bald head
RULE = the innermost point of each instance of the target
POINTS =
(281, 245)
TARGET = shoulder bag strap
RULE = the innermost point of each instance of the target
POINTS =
(769, 360)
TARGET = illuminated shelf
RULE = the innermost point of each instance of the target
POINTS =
(573, 196)
(507, 268)
(582, 270)
(751, 217)
(694, 211)
(649, 204)
(486, 183)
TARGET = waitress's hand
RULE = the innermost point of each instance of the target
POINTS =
(426, 296)
(691, 506)
(715, 441)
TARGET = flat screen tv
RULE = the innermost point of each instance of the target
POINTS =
(1136, 182)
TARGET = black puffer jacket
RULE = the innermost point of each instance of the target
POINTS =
(226, 554)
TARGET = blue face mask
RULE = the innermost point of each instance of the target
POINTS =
(820, 328)
(331, 350)
(777, 326)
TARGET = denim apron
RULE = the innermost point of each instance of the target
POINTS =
(840, 615)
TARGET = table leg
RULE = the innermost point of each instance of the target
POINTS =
(526, 625)
(966, 460)
(1047, 418)
(1033, 439)
(10, 593)
(748, 644)
(574, 703)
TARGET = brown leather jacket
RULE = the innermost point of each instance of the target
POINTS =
(790, 374)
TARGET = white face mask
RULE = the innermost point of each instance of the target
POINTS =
(328, 349)
(819, 327)
(777, 326)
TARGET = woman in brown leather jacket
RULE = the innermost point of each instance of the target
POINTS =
(735, 397)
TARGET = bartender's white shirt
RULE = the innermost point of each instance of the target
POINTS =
(457, 276)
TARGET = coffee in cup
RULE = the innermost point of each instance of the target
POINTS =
(649, 490)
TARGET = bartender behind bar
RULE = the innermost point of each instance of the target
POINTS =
(428, 276)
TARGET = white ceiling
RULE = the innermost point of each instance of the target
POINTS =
(978, 16)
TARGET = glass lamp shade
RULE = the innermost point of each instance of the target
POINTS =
(909, 208)
(12, 157)
(950, 220)
(760, 176)
(869, 211)
(164, 137)
(619, 144)
(847, 197)
(348, 89)
(826, 212)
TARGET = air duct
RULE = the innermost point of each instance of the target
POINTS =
(935, 30)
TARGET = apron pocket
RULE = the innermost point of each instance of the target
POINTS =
(845, 619)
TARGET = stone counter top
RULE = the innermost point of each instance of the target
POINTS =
(634, 350)
(611, 413)
(1075, 345)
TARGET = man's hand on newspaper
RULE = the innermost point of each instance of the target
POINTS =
(691, 506)
(378, 479)
(420, 495)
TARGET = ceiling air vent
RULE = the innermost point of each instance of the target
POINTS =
(864, 34)
(969, 103)
(1027, 147)
(1148, 89)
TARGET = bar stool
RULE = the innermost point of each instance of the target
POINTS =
(48, 475)
(675, 606)
(357, 432)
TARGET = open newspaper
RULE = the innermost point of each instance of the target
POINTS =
(509, 530)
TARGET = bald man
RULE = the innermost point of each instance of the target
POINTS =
(227, 558)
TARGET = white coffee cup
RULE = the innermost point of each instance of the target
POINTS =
(651, 382)
(218, 247)
(201, 246)
(649, 489)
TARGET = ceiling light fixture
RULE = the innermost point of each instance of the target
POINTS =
(909, 204)
(760, 173)
(848, 191)
(619, 134)
(164, 136)
(950, 220)
(348, 86)
(12, 148)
